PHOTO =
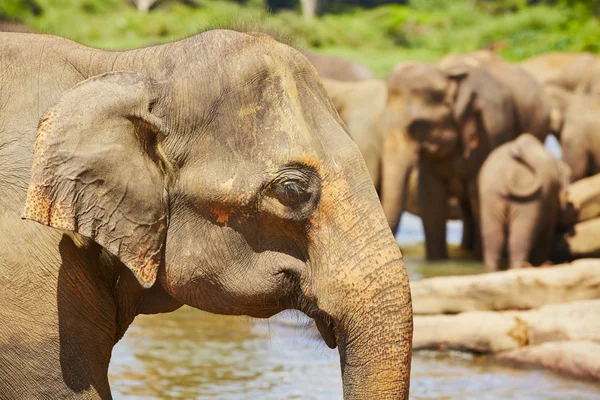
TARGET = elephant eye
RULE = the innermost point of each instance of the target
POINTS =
(294, 193)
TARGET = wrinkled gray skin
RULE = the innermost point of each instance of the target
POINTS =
(339, 68)
(576, 124)
(519, 188)
(445, 122)
(212, 172)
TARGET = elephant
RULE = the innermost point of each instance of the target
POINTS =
(212, 172)
(533, 109)
(339, 68)
(361, 105)
(520, 186)
(445, 122)
(576, 124)
(558, 68)
(585, 74)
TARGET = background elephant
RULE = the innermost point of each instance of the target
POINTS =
(575, 72)
(519, 188)
(446, 122)
(576, 123)
(361, 106)
(213, 172)
(556, 67)
(533, 110)
(339, 68)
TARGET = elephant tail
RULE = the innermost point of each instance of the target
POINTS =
(522, 186)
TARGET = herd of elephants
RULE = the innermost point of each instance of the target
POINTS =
(220, 172)
(463, 139)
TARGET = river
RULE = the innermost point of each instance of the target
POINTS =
(191, 354)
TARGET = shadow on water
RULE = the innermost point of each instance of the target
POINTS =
(191, 354)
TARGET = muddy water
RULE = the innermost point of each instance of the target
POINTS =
(189, 354)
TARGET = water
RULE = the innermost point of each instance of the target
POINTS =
(190, 354)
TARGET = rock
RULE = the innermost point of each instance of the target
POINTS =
(582, 201)
(580, 241)
(493, 332)
(479, 331)
(579, 359)
(517, 289)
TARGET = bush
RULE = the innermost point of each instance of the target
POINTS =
(380, 37)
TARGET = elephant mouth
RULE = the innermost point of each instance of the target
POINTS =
(326, 328)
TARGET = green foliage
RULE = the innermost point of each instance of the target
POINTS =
(585, 7)
(14, 10)
(380, 36)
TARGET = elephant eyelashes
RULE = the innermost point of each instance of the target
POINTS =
(294, 193)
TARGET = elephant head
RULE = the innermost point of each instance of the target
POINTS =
(431, 114)
(228, 180)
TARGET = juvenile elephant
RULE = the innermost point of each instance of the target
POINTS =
(519, 188)
(339, 68)
(576, 124)
(445, 122)
(213, 172)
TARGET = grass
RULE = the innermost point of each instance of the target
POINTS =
(380, 37)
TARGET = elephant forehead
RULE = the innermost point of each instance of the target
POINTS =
(280, 115)
(419, 76)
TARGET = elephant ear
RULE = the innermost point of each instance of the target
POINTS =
(523, 180)
(465, 106)
(98, 169)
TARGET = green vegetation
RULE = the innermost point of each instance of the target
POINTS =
(379, 37)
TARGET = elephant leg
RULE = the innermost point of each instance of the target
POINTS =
(493, 233)
(433, 200)
(544, 242)
(473, 193)
(468, 235)
(524, 226)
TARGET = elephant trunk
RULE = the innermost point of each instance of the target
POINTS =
(400, 156)
(363, 286)
(375, 345)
